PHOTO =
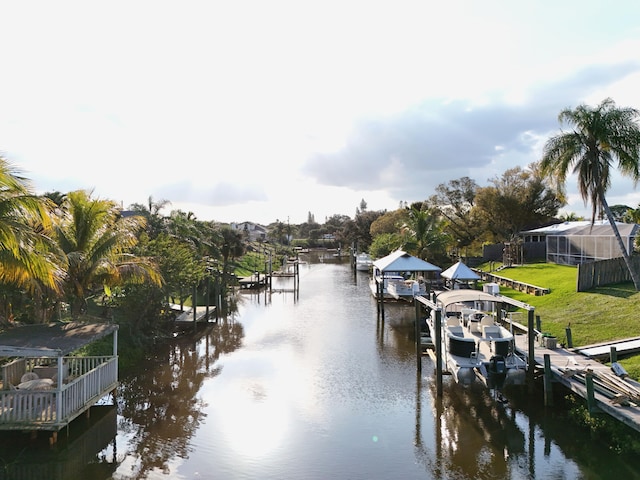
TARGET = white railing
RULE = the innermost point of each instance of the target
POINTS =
(90, 378)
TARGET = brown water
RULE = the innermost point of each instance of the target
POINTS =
(311, 386)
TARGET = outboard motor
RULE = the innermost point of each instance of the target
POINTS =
(497, 370)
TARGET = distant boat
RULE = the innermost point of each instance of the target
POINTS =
(363, 262)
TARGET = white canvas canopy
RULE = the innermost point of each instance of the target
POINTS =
(400, 261)
(449, 297)
(460, 272)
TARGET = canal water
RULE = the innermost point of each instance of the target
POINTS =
(311, 385)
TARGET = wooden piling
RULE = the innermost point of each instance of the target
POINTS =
(531, 350)
(438, 346)
(591, 396)
(418, 336)
(548, 377)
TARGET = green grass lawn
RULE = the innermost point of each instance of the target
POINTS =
(599, 315)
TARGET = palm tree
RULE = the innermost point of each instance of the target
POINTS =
(96, 241)
(25, 258)
(599, 136)
(423, 233)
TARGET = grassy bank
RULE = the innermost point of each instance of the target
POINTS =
(599, 315)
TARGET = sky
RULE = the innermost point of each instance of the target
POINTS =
(273, 110)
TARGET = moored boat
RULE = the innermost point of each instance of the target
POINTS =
(474, 344)
(364, 262)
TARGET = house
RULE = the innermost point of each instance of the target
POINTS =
(252, 231)
(573, 243)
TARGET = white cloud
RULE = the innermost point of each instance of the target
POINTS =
(266, 110)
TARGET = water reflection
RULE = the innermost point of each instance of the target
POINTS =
(89, 450)
(160, 407)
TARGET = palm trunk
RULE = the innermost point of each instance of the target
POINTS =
(626, 255)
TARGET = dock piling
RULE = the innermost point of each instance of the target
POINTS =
(548, 377)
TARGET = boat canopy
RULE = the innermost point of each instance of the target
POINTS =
(400, 261)
(461, 272)
(459, 296)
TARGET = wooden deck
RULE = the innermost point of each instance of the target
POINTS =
(253, 281)
(89, 379)
(202, 315)
(44, 387)
(613, 395)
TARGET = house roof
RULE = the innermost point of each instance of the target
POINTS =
(400, 261)
(584, 227)
(459, 271)
(52, 339)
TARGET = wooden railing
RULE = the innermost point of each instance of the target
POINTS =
(90, 378)
(12, 371)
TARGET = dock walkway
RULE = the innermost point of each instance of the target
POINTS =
(614, 395)
(185, 317)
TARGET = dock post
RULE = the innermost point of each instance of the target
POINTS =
(538, 323)
(438, 345)
(614, 354)
(208, 296)
(591, 398)
(567, 332)
(416, 304)
(548, 377)
(531, 350)
(194, 303)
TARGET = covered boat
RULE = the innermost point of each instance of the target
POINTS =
(475, 344)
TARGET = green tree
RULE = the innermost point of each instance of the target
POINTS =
(599, 137)
(25, 258)
(423, 233)
(455, 201)
(96, 242)
(385, 243)
(30, 271)
(156, 223)
(519, 199)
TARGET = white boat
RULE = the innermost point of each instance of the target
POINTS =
(401, 276)
(363, 262)
(399, 288)
(474, 345)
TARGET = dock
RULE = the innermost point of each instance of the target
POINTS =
(606, 389)
(253, 281)
(187, 317)
(603, 389)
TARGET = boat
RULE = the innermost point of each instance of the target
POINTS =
(401, 276)
(395, 287)
(363, 262)
(474, 344)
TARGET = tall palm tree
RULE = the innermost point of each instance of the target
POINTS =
(600, 136)
(96, 241)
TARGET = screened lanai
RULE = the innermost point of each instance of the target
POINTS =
(573, 243)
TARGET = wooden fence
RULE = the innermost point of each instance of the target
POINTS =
(605, 272)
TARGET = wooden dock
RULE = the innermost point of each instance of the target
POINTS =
(592, 380)
(253, 281)
(187, 316)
